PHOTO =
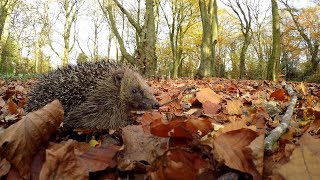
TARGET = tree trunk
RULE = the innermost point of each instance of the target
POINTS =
(274, 62)
(205, 68)
(243, 52)
(214, 28)
(145, 56)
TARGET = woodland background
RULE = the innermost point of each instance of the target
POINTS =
(246, 39)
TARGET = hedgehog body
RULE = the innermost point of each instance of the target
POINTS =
(95, 95)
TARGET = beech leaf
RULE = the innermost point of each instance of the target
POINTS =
(232, 148)
(234, 107)
(179, 164)
(181, 129)
(62, 163)
(208, 94)
(142, 146)
(21, 141)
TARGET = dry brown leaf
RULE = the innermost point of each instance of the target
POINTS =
(20, 89)
(279, 94)
(207, 94)
(234, 126)
(62, 163)
(303, 164)
(312, 143)
(99, 158)
(2, 102)
(4, 167)
(232, 148)
(210, 108)
(234, 107)
(13, 108)
(179, 164)
(22, 140)
(257, 152)
(302, 88)
(142, 146)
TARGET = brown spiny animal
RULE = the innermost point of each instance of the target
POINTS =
(94, 95)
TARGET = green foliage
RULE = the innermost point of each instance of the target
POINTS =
(82, 58)
(10, 57)
(22, 77)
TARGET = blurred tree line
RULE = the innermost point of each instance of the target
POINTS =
(246, 39)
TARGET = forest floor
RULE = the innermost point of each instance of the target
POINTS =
(211, 128)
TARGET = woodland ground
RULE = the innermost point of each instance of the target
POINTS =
(212, 128)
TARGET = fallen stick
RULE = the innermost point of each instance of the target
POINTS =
(276, 133)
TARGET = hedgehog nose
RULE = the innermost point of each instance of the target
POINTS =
(155, 105)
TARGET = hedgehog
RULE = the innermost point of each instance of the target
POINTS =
(95, 95)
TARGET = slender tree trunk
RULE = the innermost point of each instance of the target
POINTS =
(274, 62)
(109, 45)
(145, 57)
(243, 52)
(214, 28)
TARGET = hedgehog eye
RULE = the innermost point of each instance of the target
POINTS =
(134, 91)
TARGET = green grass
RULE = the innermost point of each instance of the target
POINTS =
(22, 77)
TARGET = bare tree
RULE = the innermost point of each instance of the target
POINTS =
(144, 56)
(70, 11)
(243, 12)
(180, 13)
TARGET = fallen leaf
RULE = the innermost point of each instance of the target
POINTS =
(234, 107)
(210, 108)
(99, 158)
(22, 140)
(234, 126)
(257, 152)
(232, 148)
(142, 146)
(302, 88)
(20, 89)
(280, 95)
(13, 108)
(208, 94)
(4, 167)
(303, 164)
(2, 102)
(62, 163)
(147, 118)
(179, 164)
(183, 129)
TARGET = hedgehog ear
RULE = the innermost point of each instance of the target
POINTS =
(117, 79)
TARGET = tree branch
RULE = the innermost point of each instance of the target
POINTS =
(129, 16)
(285, 120)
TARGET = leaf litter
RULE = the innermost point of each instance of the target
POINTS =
(207, 129)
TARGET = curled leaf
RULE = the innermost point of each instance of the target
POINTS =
(21, 141)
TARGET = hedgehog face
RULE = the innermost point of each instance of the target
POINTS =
(135, 92)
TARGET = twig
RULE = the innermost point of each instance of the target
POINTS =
(168, 102)
(285, 120)
(186, 91)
